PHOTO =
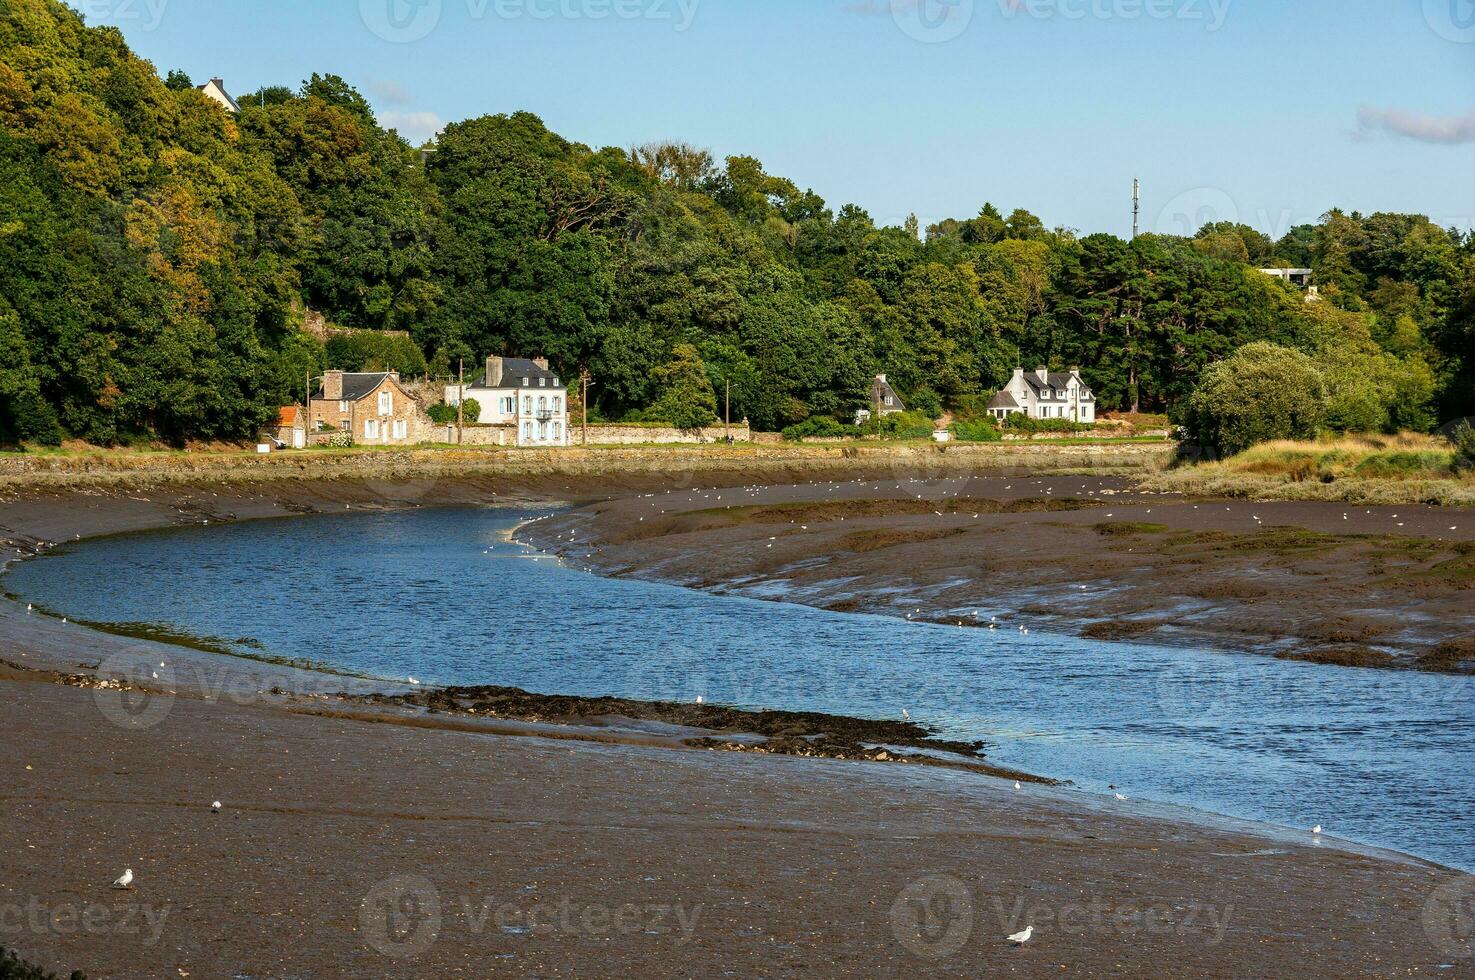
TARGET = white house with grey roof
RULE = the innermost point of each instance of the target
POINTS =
(1045, 394)
(523, 395)
(215, 91)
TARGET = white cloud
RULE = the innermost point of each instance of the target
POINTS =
(390, 92)
(1449, 130)
(417, 127)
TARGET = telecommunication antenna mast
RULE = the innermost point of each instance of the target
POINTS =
(1136, 203)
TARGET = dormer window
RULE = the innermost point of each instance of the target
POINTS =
(526, 382)
(542, 382)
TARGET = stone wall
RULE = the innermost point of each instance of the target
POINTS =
(637, 435)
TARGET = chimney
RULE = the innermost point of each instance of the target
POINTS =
(394, 376)
(542, 362)
(332, 386)
(1043, 373)
(881, 378)
(1019, 374)
(220, 83)
(1075, 369)
(494, 373)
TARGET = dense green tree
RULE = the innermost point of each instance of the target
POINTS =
(686, 397)
(1259, 393)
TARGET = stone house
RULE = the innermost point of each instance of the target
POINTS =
(523, 397)
(1045, 394)
(374, 408)
(884, 401)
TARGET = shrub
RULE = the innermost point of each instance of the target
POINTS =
(1028, 425)
(924, 401)
(1259, 393)
(1464, 456)
(442, 414)
(340, 440)
(980, 430)
(819, 427)
(902, 425)
(471, 410)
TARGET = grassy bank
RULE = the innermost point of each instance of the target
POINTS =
(1397, 469)
(683, 464)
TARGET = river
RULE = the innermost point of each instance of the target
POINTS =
(445, 596)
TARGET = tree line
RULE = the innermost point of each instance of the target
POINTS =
(156, 254)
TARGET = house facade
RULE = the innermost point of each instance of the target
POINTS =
(373, 408)
(883, 401)
(1045, 394)
(215, 91)
(523, 396)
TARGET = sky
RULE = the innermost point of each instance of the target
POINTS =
(1268, 112)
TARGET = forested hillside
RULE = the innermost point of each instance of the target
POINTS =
(156, 252)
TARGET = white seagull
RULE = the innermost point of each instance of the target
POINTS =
(1316, 830)
(215, 807)
(1017, 787)
(1020, 938)
(125, 880)
(906, 715)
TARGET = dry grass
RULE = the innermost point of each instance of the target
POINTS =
(1392, 469)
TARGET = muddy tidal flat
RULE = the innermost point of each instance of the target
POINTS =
(400, 831)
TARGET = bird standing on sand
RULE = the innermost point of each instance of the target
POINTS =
(906, 715)
(215, 807)
(1316, 830)
(1020, 938)
(125, 880)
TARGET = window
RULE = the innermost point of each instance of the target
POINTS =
(343, 406)
(401, 428)
(386, 403)
(888, 400)
(542, 382)
(524, 382)
(371, 428)
(558, 403)
(527, 430)
(527, 405)
(343, 425)
(558, 431)
(509, 405)
(542, 404)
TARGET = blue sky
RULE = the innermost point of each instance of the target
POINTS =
(1265, 111)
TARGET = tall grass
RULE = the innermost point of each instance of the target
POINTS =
(1366, 468)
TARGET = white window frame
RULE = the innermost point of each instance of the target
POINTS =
(386, 402)
(371, 428)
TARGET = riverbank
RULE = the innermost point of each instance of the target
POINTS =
(1386, 586)
(535, 841)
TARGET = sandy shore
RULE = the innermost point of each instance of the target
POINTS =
(373, 840)
(1365, 586)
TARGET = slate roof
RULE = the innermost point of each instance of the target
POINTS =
(880, 390)
(357, 387)
(1059, 380)
(1003, 400)
(514, 369)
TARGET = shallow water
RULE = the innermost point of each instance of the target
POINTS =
(444, 596)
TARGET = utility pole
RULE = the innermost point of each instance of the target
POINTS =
(460, 398)
(1136, 204)
(584, 403)
(727, 414)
